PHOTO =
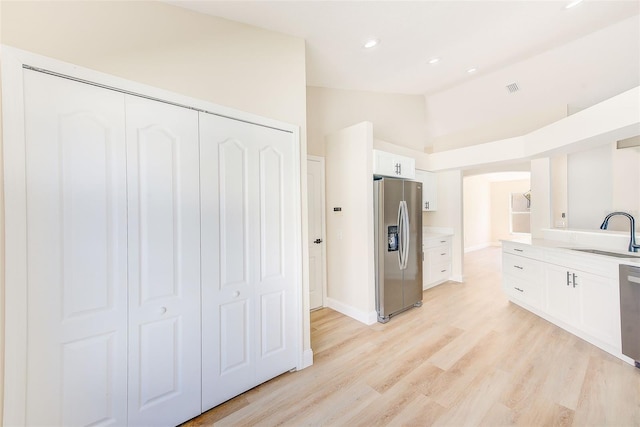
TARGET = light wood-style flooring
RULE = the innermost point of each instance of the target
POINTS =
(466, 357)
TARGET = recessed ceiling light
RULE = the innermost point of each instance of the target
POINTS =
(434, 61)
(371, 43)
(574, 3)
(472, 70)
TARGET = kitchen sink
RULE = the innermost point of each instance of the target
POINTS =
(613, 254)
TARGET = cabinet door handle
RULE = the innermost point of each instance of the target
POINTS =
(518, 250)
(518, 289)
(574, 280)
(442, 271)
(568, 278)
(426, 205)
(443, 241)
(518, 267)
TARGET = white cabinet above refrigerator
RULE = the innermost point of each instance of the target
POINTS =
(393, 165)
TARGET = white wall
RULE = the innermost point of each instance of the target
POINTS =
(625, 169)
(350, 245)
(398, 119)
(204, 57)
(477, 212)
(559, 195)
(484, 99)
(600, 181)
(589, 187)
(540, 196)
(611, 120)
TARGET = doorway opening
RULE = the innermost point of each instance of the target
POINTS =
(496, 206)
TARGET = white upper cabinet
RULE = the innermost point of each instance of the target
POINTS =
(429, 189)
(393, 165)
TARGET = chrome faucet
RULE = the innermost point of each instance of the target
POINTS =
(632, 243)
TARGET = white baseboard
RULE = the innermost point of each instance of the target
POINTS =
(307, 359)
(361, 316)
(457, 278)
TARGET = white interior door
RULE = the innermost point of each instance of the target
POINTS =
(76, 253)
(164, 262)
(315, 199)
(248, 255)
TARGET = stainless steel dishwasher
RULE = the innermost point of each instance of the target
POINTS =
(630, 311)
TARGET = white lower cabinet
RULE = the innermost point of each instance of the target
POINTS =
(563, 300)
(522, 279)
(160, 267)
(556, 286)
(600, 308)
(436, 266)
(585, 301)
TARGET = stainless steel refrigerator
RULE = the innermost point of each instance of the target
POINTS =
(398, 245)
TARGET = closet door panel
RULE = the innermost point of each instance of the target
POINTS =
(76, 259)
(234, 225)
(227, 293)
(272, 214)
(257, 163)
(164, 262)
(274, 279)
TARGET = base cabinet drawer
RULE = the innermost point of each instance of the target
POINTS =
(440, 272)
(527, 291)
(436, 266)
(525, 268)
(439, 255)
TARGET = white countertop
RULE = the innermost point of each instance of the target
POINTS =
(432, 235)
(566, 247)
(436, 232)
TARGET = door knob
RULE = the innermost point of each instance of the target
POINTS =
(318, 241)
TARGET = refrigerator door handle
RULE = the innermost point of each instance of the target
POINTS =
(400, 236)
(406, 235)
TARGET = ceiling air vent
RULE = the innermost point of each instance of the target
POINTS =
(513, 87)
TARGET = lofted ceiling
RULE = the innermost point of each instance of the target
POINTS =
(487, 35)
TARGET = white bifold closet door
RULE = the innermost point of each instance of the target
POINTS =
(164, 262)
(248, 255)
(161, 262)
(113, 257)
(76, 253)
